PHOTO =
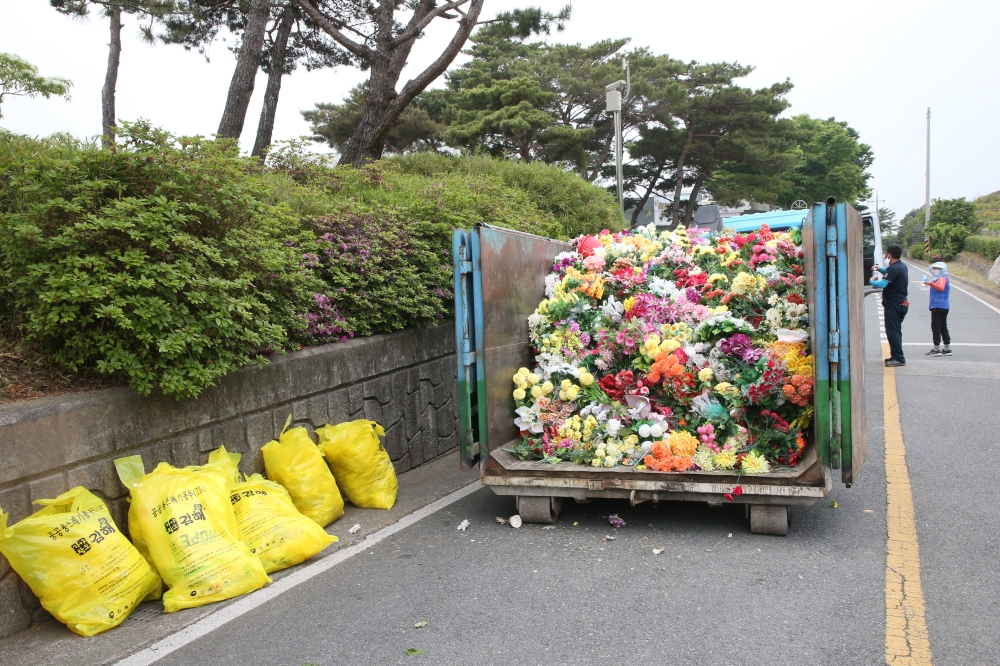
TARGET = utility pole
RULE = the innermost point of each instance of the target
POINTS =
(927, 190)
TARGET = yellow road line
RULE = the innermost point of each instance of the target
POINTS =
(906, 640)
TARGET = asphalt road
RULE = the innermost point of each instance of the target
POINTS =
(714, 593)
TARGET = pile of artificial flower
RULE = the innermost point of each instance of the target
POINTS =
(670, 351)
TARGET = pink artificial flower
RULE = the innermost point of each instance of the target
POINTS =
(594, 263)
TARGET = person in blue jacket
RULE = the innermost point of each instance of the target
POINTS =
(894, 291)
(940, 287)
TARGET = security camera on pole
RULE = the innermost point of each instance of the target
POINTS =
(615, 98)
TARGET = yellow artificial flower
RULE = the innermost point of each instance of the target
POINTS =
(706, 375)
(586, 378)
(725, 388)
(533, 379)
(682, 443)
(519, 394)
(629, 303)
(755, 463)
(547, 388)
(669, 345)
(724, 459)
(566, 384)
(536, 392)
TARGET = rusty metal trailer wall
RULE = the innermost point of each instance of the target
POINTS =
(508, 270)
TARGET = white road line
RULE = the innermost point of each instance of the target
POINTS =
(252, 601)
(997, 310)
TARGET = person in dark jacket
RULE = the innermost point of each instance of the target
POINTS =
(894, 284)
(940, 287)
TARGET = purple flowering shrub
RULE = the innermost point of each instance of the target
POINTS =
(381, 273)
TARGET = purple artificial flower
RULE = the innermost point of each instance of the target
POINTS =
(739, 346)
(615, 521)
(692, 295)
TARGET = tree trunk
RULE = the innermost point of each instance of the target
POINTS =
(675, 208)
(383, 105)
(265, 126)
(241, 86)
(645, 197)
(689, 209)
(605, 151)
(108, 118)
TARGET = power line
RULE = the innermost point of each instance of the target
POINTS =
(911, 190)
(912, 146)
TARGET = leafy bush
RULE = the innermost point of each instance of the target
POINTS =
(171, 261)
(577, 207)
(917, 251)
(988, 246)
(157, 261)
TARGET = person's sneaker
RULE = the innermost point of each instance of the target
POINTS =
(945, 352)
(893, 363)
(933, 352)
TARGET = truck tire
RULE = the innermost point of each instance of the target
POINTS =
(539, 509)
(770, 519)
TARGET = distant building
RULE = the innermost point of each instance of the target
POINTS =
(657, 208)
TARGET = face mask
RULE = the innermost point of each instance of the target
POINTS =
(935, 272)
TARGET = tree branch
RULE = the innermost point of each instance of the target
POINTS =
(416, 25)
(359, 50)
(437, 68)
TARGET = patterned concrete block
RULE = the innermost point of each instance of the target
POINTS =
(13, 616)
(338, 406)
(48, 488)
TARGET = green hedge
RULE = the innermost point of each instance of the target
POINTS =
(917, 251)
(171, 261)
(988, 246)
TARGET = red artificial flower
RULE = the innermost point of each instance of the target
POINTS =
(738, 490)
(728, 497)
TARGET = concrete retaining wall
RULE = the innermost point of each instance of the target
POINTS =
(981, 267)
(405, 381)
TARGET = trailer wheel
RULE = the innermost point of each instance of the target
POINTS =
(770, 519)
(539, 509)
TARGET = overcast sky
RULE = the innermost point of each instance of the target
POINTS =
(878, 64)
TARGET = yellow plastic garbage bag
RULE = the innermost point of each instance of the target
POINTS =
(268, 521)
(360, 463)
(189, 529)
(82, 569)
(295, 462)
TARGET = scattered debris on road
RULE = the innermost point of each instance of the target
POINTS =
(549, 527)
(515, 521)
(501, 520)
(615, 521)
(833, 504)
(657, 551)
(413, 652)
(463, 525)
(608, 537)
(420, 625)
(355, 528)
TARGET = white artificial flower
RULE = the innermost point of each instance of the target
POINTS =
(613, 309)
(655, 431)
(644, 431)
(527, 418)
(572, 254)
(551, 280)
(613, 426)
(661, 287)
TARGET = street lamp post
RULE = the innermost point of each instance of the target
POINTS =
(615, 98)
